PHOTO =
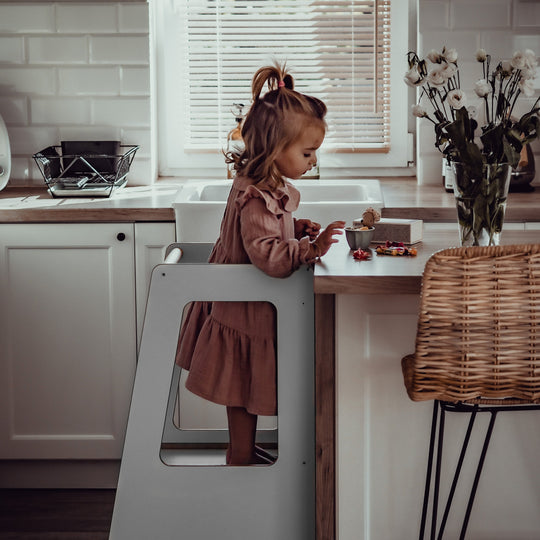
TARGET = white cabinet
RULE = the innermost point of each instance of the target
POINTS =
(68, 335)
(67, 339)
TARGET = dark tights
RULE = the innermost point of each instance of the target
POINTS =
(242, 430)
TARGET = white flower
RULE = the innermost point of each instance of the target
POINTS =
(518, 60)
(506, 69)
(530, 60)
(418, 111)
(434, 56)
(436, 77)
(481, 55)
(456, 98)
(482, 88)
(527, 87)
(413, 77)
(450, 55)
(527, 73)
(449, 70)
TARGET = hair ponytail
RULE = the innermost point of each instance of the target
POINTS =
(274, 77)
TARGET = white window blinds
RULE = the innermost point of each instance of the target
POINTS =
(336, 50)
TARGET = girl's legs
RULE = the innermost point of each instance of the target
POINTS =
(242, 430)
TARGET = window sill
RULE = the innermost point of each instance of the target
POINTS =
(326, 173)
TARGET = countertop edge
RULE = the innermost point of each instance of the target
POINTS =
(516, 214)
(367, 284)
(85, 215)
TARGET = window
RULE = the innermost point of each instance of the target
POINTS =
(343, 52)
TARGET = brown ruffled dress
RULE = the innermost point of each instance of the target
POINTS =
(229, 347)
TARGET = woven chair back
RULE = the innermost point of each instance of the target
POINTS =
(478, 335)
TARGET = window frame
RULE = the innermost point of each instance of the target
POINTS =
(166, 111)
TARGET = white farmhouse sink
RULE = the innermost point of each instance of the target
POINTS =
(199, 204)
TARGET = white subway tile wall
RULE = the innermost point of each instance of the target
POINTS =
(74, 71)
(87, 19)
(499, 26)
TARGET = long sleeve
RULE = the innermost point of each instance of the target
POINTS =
(264, 242)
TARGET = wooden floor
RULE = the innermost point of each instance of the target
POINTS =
(55, 514)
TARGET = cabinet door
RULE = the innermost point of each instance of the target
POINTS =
(67, 339)
(150, 247)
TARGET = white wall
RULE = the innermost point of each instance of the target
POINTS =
(74, 71)
(499, 26)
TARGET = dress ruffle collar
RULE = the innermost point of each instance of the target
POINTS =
(283, 199)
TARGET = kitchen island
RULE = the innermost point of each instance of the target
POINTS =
(371, 439)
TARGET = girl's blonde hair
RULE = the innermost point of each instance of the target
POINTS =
(274, 121)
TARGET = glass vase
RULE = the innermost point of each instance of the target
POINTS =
(481, 202)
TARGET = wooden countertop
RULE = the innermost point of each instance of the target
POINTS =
(339, 273)
(138, 203)
(403, 197)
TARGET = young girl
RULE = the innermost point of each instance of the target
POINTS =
(229, 347)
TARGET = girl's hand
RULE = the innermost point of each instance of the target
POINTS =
(326, 238)
(306, 227)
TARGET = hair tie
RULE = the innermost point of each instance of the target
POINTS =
(281, 84)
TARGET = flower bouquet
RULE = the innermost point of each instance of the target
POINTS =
(482, 159)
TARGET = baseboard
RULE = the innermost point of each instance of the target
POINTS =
(85, 474)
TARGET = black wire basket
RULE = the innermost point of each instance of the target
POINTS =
(85, 168)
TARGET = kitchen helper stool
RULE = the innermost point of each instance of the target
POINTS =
(157, 500)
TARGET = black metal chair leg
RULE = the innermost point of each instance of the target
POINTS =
(429, 469)
(457, 471)
(478, 473)
(438, 422)
(437, 483)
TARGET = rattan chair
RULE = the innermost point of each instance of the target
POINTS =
(477, 349)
